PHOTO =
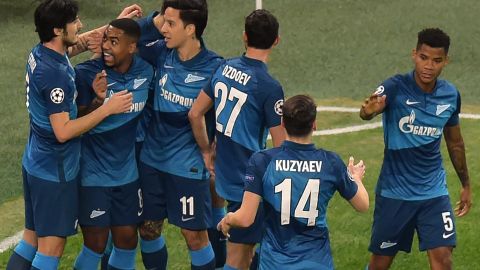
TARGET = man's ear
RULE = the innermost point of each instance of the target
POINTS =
(191, 30)
(58, 31)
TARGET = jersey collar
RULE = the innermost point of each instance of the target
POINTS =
(254, 62)
(53, 54)
(298, 146)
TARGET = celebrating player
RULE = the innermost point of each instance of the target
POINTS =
(296, 181)
(51, 158)
(411, 193)
(248, 103)
(110, 195)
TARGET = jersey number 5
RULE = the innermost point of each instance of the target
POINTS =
(310, 193)
(222, 92)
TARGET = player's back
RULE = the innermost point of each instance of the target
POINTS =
(247, 102)
(298, 181)
(108, 150)
(50, 89)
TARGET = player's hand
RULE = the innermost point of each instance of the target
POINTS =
(224, 227)
(133, 11)
(99, 85)
(357, 171)
(465, 203)
(119, 102)
(94, 42)
(209, 159)
(374, 104)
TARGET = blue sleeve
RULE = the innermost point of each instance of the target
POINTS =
(254, 174)
(84, 87)
(388, 88)
(209, 88)
(272, 106)
(346, 185)
(454, 119)
(56, 87)
(151, 44)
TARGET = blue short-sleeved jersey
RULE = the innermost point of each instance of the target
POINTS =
(413, 123)
(248, 101)
(108, 150)
(296, 182)
(169, 144)
(50, 82)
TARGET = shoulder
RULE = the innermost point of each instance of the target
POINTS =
(264, 157)
(93, 65)
(143, 66)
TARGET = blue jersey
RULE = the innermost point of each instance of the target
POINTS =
(296, 182)
(247, 102)
(50, 82)
(169, 144)
(108, 150)
(413, 123)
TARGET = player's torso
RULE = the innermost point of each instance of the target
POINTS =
(108, 150)
(170, 136)
(413, 126)
(44, 156)
(297, 186)
(240, 122)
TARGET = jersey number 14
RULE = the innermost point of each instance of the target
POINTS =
(310, 193)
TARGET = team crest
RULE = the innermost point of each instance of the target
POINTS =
(57, 95)
(278, 107)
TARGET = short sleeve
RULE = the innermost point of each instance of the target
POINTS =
(151, 43)
(273, 106)
(454, 118)
(346, 185)
(84, 87)
(57, 88)
(254, 175)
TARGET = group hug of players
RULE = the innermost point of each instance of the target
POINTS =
(158, 127)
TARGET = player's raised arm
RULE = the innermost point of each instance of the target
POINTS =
(372, 106)
(456, 150)
(360, 201)
(92, 39)
(196, 115)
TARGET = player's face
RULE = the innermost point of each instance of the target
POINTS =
(117, 48)
(429, 63)
(70, 33)
(175, 32)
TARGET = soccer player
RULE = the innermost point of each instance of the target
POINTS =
(173, 176)
(411, 193)
(248, 103)
(110, 194)
(296, 182)
(51, 158)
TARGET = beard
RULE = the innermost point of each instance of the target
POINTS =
(69, 41)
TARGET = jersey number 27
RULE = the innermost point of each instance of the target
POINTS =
(222, 92)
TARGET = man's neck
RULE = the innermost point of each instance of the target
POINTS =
(300, 140)
(189, 50)
(56, 45)
(258, 54)
(124, 67)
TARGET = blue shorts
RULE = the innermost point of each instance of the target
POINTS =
(51, 208)
(395, 222)
(185, 202)
(111, 206)
(249, 235)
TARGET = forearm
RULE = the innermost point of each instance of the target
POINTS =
(76, 127)
(366, 116)
(457, 156)
(361, 200)
(82, 44)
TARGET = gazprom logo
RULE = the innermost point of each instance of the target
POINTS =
(406, 125)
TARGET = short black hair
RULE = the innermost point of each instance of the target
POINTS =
(52, 14)
(191, 12)
(261, 28)
(129, 27)
(433, 37)
(299, 113)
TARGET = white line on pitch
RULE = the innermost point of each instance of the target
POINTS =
(10, 241)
